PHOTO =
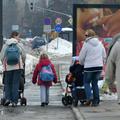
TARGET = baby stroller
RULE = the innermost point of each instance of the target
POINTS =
(67, 98)
(74, 81)
(22, 99)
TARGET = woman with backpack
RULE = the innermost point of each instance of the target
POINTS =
(44, 74)
(13, 58)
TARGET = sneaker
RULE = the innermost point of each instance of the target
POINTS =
(14, 104)
(95, 104)
(7, 102)
(46, 103)
(88, 103)
(42, 104)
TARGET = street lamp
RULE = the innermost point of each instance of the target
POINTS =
(1, 37)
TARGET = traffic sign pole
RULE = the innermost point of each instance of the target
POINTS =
(58, 29)
(57, 40)
(47, 40)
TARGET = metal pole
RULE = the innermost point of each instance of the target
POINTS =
(57, 40)
(1, 37)
(47, 41)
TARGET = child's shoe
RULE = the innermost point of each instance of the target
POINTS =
(42, 104)
(46, 103)
(14, 104)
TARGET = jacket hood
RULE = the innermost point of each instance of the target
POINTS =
(114, 40)
(12, 40)
(44, 62)
(94, 41)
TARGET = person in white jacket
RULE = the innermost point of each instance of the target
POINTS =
(92, 56)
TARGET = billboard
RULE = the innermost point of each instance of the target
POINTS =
(102, 18)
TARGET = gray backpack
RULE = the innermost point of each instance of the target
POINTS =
(12, 54)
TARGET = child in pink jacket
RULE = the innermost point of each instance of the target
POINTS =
(44, 86)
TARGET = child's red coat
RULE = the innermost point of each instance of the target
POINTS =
(36, 79)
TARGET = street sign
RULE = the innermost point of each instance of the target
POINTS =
(15, 27)
(70, 20)
(58, 21)
(58, 28)
(47, 28)
(47, 21)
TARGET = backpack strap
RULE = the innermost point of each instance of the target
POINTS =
(51, 66)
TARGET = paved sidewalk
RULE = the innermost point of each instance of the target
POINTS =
(33, 111)
(107, 110)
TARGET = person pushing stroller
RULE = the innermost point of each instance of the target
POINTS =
(13, 58)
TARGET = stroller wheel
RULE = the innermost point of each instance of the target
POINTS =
(75, 102)
(23, 101)
(69, 100)
(2, 101)
(64, 101)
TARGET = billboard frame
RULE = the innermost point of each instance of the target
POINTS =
(75, 7)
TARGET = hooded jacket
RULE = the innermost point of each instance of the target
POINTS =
(36, 78)
(22, 55)
(92, 54)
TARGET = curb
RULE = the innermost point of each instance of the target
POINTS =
(77, 113)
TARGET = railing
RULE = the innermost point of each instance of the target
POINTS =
(62, 69)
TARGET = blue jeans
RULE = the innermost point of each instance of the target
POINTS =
(44, 90)
(92, 78)
(74, 91)
(11, 85)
